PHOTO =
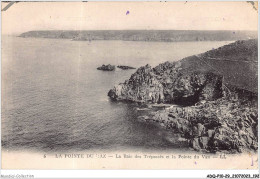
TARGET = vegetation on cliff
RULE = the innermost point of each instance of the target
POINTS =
(207, 76)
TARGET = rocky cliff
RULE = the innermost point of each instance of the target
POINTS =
(216, 92)
(207, 76)
(167, 84)
(230, 125)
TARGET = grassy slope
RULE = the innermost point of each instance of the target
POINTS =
(237, 62)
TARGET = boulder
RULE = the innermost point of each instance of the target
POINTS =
(195, 144)
(203, 141)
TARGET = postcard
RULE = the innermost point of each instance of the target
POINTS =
(129, 85)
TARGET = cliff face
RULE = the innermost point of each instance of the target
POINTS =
(218, 93)
(206, 76)
(214, 126)
(167, 84)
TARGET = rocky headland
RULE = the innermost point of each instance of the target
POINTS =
(216, 94)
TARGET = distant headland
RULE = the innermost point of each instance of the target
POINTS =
(143, 35)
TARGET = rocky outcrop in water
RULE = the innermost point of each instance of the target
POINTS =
(123, 67)
(107, 67)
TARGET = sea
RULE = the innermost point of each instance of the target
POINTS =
(55, 100)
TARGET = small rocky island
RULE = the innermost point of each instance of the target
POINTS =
(123, 67)
(113, 67)
(215, 93)
(107, 67)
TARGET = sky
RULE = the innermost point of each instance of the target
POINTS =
(27, 16)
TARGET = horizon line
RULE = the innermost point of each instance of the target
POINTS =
(121, 30)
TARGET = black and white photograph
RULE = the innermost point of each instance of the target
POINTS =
(129, 85)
